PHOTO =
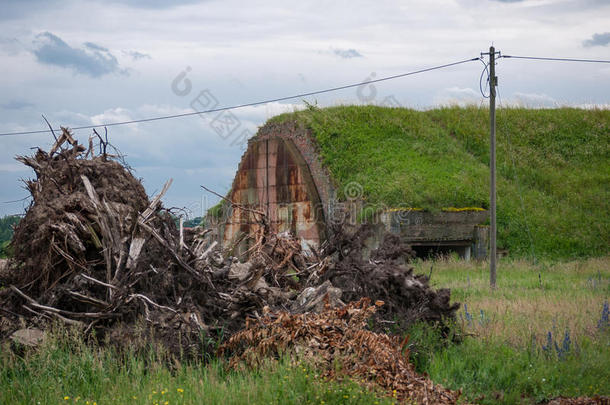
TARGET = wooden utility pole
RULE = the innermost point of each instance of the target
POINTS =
(493, 82)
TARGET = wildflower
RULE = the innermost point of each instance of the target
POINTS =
(66, 398)
(180, 390)
(166, 403)
(544, 379)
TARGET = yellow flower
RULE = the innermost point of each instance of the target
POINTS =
(162, 392)
(180, 390)
(166, 402)
(66, 397)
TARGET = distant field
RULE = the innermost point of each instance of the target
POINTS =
(553, 171)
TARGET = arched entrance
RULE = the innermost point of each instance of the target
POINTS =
(274, 177)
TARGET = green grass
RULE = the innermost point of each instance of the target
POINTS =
(501, 360)
(553, 173)
(65, 371)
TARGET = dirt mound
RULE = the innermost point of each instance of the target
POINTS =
(337, 341)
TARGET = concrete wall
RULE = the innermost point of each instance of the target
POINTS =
(459, 231)
(275, 177)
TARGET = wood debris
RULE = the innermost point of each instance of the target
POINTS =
(93, 251)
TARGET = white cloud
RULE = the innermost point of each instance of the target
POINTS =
(458, 96)
(532, 100)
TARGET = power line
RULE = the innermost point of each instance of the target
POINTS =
(485, 70)
(165, 117)
(557, 59)
(15, 201)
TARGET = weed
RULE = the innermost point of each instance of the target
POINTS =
(603, 322)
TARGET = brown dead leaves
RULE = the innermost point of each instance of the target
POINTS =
(337, 342)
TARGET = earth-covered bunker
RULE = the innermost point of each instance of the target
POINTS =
(283, 174)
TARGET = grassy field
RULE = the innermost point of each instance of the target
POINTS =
(502, 357)
(553, 177)
(66, 371)
(506, 356)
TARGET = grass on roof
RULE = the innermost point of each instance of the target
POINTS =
(553, 167)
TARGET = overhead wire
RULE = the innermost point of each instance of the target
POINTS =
(485, 70)
(233, 107)
(556, 59)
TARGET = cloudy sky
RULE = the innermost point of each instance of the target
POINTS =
(92, 62)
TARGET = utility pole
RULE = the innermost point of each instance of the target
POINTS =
(493, 82)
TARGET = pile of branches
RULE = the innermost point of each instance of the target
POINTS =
(95, 252)
(386, 276)
(339, 344)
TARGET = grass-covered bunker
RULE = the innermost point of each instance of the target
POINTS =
(424, 175)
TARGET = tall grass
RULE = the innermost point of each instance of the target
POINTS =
(540, 334)
(66, 370)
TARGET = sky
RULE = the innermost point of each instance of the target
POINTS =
(84, 63)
